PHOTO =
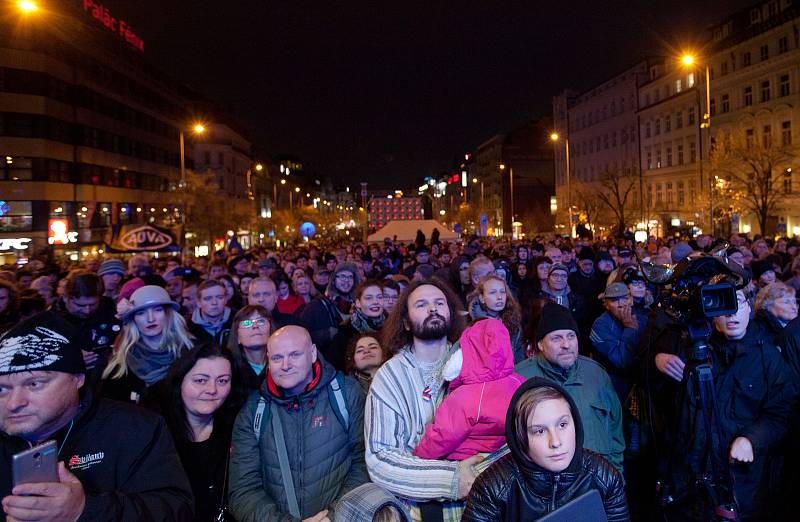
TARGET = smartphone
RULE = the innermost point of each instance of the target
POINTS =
(37, 464)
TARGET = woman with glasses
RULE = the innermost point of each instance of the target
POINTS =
(247, 342)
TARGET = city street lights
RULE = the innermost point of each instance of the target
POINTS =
(197, 128)
(554, 137)
(27, 6)
(689, 60)
(475, 181)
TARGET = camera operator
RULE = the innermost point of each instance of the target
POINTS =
(754, 398)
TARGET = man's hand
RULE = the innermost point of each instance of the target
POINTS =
(322, 516)
(47, 501)
(90, 359)
(628, 318)
(670, 365)
(742, 450)
(466, 475)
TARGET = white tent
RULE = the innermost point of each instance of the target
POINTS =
(407, 231)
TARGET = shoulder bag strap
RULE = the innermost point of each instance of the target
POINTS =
(283, 460)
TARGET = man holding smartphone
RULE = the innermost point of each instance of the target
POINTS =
(116, 462)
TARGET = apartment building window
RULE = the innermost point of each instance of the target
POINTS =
(681, 195)
(726, 103)
(764, 52)
(669, 156)
(647, 129)
(692, 152)
(680, 154)
(784, 85)
(657, 94)
(692, 190)
(658, 157)
(713, 106)
(746, 60)
(786, 132)
(605, 141)
(649, 194)
(690, 118)
(658, 126)
(658, 193)
(669, 194)
(649, 160)
(765, 91)
(748, 96)
(690, 81)
(622, 104)
(614, 139)
(749, 136)
(667, 123)
(678, 85)
(787, 181)
(783, 44)
(679, 120)
(766, 136)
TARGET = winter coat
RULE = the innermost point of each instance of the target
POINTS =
(515, 488)
(203, 330)
(325, 460)
(755, 394)
(322, 319)
(614, 348)
(471, 419)
(589, 385)
(125, 459)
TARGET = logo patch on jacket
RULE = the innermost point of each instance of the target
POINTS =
(85, 461)
(318, 421)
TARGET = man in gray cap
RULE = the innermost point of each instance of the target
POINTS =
(111, 271)
(586, 381)
(615, 335)
(117, 462)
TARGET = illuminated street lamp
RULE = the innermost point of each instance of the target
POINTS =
(554, 137)
(197, 128)
(259, 167)
(27, 6)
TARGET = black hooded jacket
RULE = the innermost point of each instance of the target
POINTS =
(125, 460)
(515, 488)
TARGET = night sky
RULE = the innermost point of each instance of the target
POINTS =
(386, 91)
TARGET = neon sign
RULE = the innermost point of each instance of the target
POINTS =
(58, 233)
(100, 13)
(16, 243)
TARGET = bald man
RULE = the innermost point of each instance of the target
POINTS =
(307, 416)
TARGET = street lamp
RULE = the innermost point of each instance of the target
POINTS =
(27, 6)
(197, 128)
(689, 60)
(554, 137)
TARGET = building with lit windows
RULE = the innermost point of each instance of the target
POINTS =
(89, 130)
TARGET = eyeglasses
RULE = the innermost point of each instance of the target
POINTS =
(250, 323)
(558, 275)
(345, 277)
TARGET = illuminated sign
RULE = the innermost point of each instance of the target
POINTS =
(100, 13)
(145, 237)
(14, 243)
(58, 232)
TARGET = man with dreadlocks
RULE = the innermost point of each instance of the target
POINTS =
(405, 393)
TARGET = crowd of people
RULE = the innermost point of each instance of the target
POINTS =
(426, 381)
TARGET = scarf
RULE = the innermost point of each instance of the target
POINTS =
(149, 365)
(364, 324)
(343, 305)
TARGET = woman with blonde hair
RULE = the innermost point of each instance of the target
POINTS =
(153, 336)
(776, 306)
(492, 298)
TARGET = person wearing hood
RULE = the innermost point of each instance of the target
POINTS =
(587, 382)
(493, 299)
(471, 418)
(457, 277)
(212, 319)
(547, 466)
(116, 461)
(323, 315)
(367, 318)
(298, 444)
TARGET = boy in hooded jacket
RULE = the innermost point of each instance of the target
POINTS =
(471, 419)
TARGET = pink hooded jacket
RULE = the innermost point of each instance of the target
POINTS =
(472, 418)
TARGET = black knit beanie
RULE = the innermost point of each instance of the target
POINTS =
(554, 317)
(45, 342)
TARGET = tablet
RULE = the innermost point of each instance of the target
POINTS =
(586, 508)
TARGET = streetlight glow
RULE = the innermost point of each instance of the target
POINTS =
(687, 59)
(283, 182)
(199, 128)
(502, 166)
(554, 136)
(27, 6)
(259, 167)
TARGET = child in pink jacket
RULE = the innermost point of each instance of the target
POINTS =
(472, 418)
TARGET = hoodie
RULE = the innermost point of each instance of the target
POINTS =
(471, 418)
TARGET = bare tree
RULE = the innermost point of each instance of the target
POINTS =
(749, 170)
(615, 193)
(587, 202)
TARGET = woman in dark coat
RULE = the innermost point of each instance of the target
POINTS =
(547, 466)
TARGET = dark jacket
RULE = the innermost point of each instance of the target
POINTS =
(326, 461)
(515, 488)
(204, 331)
(322, 319)
(755, 394)
(131, 389)
(96, 333)
(125, 460)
